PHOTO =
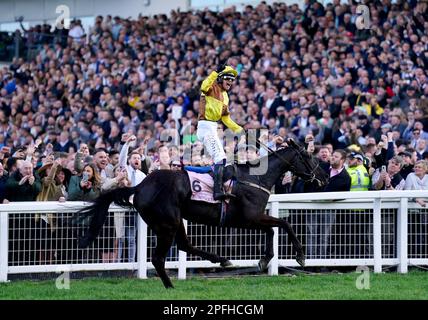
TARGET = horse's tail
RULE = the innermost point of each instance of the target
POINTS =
(98, 211)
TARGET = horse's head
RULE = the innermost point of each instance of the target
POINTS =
(306, 166)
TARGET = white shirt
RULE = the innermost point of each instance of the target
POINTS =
(413, 182)
(134, 175)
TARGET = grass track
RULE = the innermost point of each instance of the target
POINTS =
(413, 285)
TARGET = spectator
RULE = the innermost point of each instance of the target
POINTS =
(408, 164)
(3, 180)
(87, 186)
(360, 180)
(320, 225)
(418, 180)
(389, 178)
(23, 185)
(135, 176)
(339, 177)
(46, 224)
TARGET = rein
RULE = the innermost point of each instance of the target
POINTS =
(257, 186)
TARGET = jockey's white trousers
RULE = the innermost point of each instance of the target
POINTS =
(207, 134)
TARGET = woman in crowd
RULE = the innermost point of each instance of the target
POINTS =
(85, 187)
(418, 180)
(53, 189)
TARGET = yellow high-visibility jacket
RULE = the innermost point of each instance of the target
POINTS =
(360, 179)
(214, 103)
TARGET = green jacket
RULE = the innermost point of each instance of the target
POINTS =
(360, 179)
(76, 193)
(24, 192)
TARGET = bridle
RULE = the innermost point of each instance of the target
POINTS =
(312, 175)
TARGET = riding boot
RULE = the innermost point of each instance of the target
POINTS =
(219, 193)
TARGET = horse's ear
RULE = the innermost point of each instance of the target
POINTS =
(292, 143)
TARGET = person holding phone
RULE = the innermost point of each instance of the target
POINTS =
(87, 186)
(389, 177)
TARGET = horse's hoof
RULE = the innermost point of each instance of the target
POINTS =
(168, 286)
(263, 264)
(226, 264)
(301, 260)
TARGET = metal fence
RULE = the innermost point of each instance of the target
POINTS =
(384, 228)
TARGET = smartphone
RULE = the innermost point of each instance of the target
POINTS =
(383, 168)
(85, 177)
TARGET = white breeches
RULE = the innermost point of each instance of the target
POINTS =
(207, 133)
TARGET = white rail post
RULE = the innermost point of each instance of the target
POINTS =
(402, 235)
(182, 259)
(273, 265)
(377, 236)
(4, 238)
(142, 247)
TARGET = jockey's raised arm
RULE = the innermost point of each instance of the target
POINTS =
(214, 107)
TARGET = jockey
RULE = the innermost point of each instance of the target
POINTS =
(214, 106)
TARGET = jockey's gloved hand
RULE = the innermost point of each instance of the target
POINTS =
(221, 67)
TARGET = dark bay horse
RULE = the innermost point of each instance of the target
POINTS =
(163, 200)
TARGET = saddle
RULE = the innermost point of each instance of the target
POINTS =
(202, 182)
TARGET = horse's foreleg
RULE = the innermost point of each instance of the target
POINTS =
(267, 221)
(184, 244)
(264, 262)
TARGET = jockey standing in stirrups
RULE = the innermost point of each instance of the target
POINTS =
(214, 106)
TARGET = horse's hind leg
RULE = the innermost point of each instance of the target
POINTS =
(164, 242)
(184, 244)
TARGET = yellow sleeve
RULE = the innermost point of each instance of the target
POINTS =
(232, 125)
(208, 82)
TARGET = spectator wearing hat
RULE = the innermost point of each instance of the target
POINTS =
(52, 188)
(360, 180)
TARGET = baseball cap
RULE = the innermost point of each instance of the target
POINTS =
(355, 155)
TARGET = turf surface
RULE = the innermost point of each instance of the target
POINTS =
(413, 285)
